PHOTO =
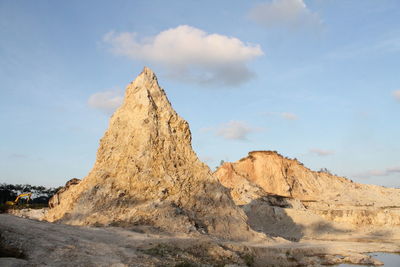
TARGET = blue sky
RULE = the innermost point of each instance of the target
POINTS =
(315, 80)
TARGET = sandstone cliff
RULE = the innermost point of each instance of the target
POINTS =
(311, 203)
(276, 174)
(55, 200)
(146, 173)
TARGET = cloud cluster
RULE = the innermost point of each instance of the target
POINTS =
(106, 101)
(321, 152)
(291, 14)
(190, 54)
(385, 172)
(396, 95)
(235, 130)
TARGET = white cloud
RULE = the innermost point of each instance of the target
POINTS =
(190, 54)
(289, 116)
(285, 115)
(396, 95)
(354, 50)
(207, 159)
(384, 172)
(235, 130)
(18, 156)
(106, 101)
(291, 14)
(321, 152)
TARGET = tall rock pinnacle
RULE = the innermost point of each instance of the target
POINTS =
(147, 173)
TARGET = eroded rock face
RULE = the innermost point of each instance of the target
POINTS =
(317, 202)
(147, 173)
(276, 174)
(55, 200)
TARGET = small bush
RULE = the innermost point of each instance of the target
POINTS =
(4, 208)
(248, 259)
(185, 264)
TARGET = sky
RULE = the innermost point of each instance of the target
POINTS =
(315, 80)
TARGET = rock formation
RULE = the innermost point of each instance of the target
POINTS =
(311, 201)
(148, 178)
(146, 173)
(288, 177)
(55, 200)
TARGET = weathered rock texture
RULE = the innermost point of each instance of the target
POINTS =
(288, 177)
(147, 173)
(311, 203)
(56, 199)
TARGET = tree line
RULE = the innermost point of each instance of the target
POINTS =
(40, 194)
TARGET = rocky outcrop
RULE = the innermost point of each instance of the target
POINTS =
(278, 175)
(55, 200)
(147, 173)
(317, 203)
(34, 214)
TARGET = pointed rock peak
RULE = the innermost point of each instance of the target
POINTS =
(145, 91)
(147, 173)
(147, 74)
(147, 82)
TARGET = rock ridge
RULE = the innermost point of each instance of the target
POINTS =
(287, 177)
(281, 197)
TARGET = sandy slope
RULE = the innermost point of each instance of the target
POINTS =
(281, 197)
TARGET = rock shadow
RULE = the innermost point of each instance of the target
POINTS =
(7, 250)
(267, 217)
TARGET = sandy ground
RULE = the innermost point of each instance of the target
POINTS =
(26, 242)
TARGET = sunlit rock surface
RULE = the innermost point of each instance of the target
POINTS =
(146, 173)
